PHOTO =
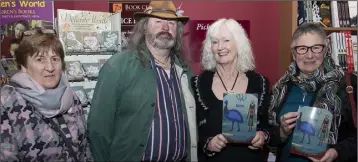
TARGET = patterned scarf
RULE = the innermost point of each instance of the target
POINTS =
(325, 83)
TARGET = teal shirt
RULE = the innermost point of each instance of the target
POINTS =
(294, 99)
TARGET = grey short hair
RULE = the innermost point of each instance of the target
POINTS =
(309, 28)
(245, 56)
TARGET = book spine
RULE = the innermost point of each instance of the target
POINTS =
(301, 13)
(334, 47)
(346, 13)
(334, 14)
(310, 3)
(340, 15)
(349, 47)
(344, 49)
(325, 12)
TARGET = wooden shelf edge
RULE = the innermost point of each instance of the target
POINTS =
(340, 29)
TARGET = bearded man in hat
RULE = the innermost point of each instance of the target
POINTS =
(143, 108)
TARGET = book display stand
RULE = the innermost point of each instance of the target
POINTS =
(89, 39)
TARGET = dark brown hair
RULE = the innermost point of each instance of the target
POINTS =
(36, 43)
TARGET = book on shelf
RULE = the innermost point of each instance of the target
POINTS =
(328, 13)
(355, 52)
(343, 48)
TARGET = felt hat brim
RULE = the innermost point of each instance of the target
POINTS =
(161, 15)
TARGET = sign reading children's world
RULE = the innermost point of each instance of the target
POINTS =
(17, 10)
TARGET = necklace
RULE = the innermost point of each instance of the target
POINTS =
(223, 81)
(162, 63)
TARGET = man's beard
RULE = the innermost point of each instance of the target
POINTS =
(162, 40)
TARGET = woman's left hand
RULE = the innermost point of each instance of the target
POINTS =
(258, 141)
(330, 155)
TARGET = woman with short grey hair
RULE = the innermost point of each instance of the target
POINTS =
(312, 79)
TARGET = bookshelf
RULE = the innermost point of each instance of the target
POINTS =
(352, 30)
(288, 24)
(340, 29)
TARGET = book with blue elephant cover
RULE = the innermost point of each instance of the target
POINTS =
(239, 117)
(311, 133)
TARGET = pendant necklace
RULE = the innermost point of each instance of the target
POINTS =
(224, 84)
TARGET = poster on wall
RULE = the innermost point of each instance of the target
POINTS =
(197, 32)
(88, 32)
(18, 16)
(127, 9)
(15, 18)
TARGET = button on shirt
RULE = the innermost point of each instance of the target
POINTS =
(167, 137)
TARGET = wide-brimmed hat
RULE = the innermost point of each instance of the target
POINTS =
(163, 10)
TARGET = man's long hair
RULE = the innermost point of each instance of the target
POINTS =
(137, 38)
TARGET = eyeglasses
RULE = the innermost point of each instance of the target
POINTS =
(301, 50)
(39, 30)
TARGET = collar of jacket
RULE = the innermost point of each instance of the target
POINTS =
(146, 57)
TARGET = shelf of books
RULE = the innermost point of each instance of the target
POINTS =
(339, 19)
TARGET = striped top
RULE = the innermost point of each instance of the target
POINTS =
(167, 137)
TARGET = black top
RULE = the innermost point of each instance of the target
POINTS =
(209, 117)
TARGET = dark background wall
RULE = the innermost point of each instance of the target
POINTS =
(264, 25)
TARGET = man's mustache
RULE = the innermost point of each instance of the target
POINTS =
(170, 36)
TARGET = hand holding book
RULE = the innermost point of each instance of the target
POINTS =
(288, 122)
(258, 141)
(217, 143)
(310, 135)
(330, 155)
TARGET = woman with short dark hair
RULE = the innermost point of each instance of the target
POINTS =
(41, 117)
